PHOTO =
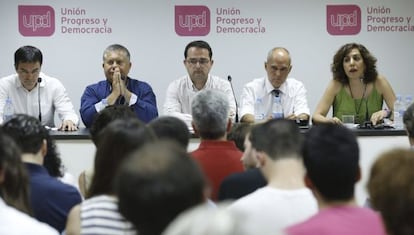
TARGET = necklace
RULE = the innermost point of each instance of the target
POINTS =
(355, 102)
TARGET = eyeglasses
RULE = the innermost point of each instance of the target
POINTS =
(201, 61)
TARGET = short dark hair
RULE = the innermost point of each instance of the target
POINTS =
(156, 183)
(107, 115)
(409, 120)
(198, 44)
(171, 128)
(119, 138)
(27, 54)
(277, 138)
(370, 61)
(238, 133)
(27, 132)
(331, 158)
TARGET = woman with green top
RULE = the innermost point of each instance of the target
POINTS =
(356, 89)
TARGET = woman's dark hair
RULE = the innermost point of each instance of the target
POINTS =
(52, 161)
(370, 61)
(14, 189)
(118, 139)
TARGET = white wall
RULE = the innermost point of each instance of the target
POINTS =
(147, 29)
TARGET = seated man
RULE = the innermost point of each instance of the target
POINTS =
(198, 60)
(51, 199)
(217, 156)
(331, 158)
(118, 88)
(35, 93)
(258, 95)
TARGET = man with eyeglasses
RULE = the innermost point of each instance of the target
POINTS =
(36, 94)
(258, 96)
(180, 93)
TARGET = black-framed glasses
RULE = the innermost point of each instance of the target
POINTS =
(202, 61)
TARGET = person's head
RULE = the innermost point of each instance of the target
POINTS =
(210, 110)
(116, 58)
(28, 133)
(278, 66)
(171, 128)
(28, 64)
(353, 60)
(409, 122)
(331, 158)
(277, 138)
(248, 158)
(391, 190)
(52, 161)
(118, 139)
(14, 181)
(156, 183)
(198, 60)
(107, 115)
(238, 134)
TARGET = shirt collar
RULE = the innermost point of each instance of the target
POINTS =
(269, 87)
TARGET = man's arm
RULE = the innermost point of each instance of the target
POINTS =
(64, 108)
(145, 106)
(172, 106)
(87, 110)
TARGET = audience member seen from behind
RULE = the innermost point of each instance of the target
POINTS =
(198, 60)
(356, 88)
(98, 214)
(217, 156)
(171, 128)
(156, 183)
(118, 88)
(238, 133)
(101, 120)
(285, 200)
(331, 158)
(35, 93)
(51, 199)
(240, 184)
(258, 95)
(409, 123)
(391, 189)
(14, 193)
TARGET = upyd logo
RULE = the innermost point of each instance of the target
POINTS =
(343, 19)
(36, 20)
(192, 20)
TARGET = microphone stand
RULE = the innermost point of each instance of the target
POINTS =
(39, 80)
(235, 100)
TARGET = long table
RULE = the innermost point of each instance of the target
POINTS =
(77, 150)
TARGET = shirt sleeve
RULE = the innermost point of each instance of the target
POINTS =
(301, 103)
(247, 101)
(145, 106)
(172, 106)
(63, 104)
(88, 100)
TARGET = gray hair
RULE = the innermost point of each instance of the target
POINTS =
(117, 47)
(210, 110)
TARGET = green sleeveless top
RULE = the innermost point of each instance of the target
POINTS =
(344, 104)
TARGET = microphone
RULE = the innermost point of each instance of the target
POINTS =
(39, 80)
(235, 100)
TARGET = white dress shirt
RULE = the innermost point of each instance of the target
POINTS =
(180, 94)
(53, 97)
(292, 93)
(15, 222)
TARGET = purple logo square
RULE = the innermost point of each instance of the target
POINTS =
(192, 20)
(343, 19)
(35, 21)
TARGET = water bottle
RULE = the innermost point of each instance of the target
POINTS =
(399, 109)
(277, 108)
(8, 110)
(259, 113)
